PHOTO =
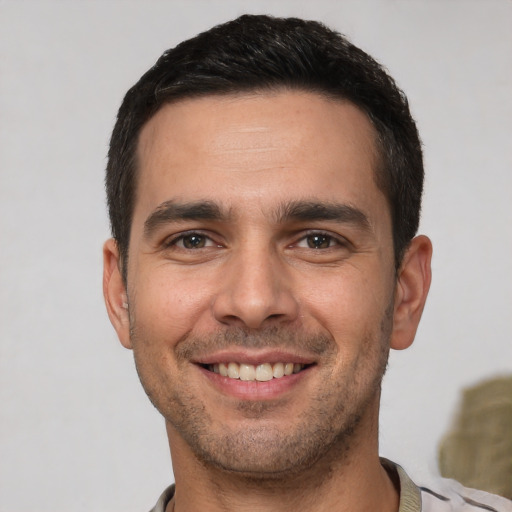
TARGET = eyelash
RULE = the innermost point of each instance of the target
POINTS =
(333, 240)
(174, 240)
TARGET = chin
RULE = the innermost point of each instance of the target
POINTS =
(270, 453)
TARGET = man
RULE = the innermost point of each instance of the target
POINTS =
(264, 184)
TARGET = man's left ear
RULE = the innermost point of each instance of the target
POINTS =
(412, 287)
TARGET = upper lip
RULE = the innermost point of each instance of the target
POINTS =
(253, 357)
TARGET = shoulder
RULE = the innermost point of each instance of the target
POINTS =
(449, 496)
(164, 499)
(446, 496)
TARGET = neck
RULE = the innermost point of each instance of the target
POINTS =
(350, 478)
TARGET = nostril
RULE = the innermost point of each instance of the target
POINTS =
(276, 316)
(232, 320)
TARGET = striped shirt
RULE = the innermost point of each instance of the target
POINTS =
(450, 497)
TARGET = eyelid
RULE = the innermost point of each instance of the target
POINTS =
(338, 239)
(172, 240)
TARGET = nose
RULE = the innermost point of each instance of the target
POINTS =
(256, 290)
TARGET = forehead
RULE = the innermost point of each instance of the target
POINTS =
(252, 150)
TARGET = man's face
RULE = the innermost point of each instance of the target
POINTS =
(260, 240)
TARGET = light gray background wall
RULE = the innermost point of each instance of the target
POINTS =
(76, 431)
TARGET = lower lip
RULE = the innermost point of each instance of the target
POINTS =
(255, 390)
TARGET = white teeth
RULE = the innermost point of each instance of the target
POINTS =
(223, 369)
(264, 372)
(278, 370)
(233, 371)
(288, 368)
(249, 372)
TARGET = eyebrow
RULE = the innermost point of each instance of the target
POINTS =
(304, 211)
(173, 211)
(295, 211)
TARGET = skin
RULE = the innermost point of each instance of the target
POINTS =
(229, 260)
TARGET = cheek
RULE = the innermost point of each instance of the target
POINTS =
(167, 305)
(349, 303)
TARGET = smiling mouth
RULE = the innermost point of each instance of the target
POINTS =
(249, 372)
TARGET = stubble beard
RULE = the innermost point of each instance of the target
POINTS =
(262, 451)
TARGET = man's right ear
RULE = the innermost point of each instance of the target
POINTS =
(114, 292)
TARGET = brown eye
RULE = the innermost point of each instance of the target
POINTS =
(319, 241)
(194, 241)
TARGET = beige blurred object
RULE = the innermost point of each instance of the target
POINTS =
(478, 450)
